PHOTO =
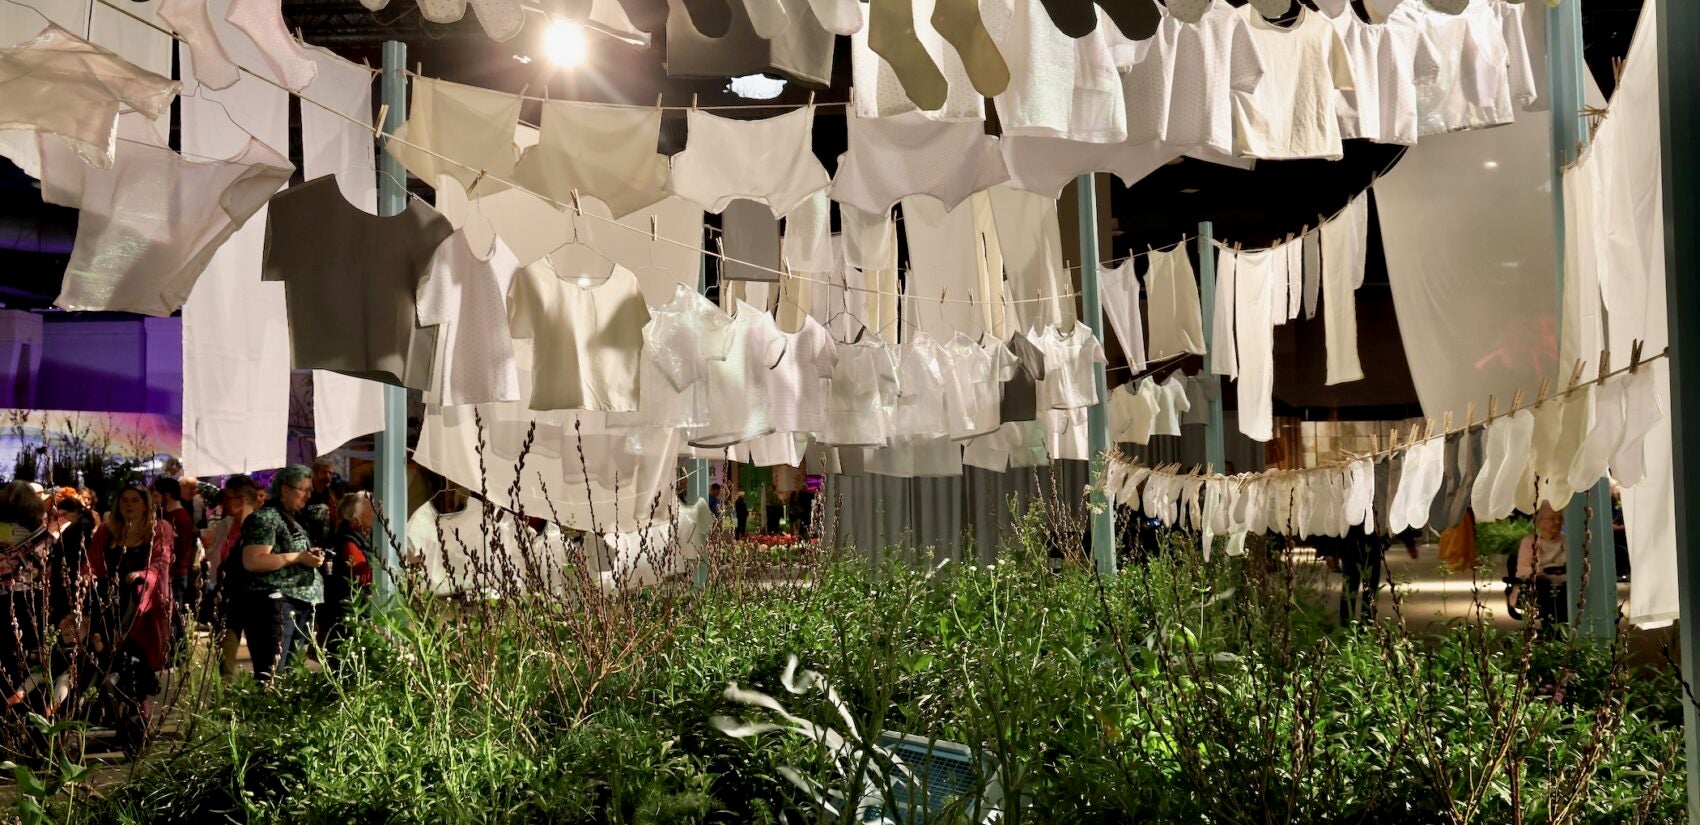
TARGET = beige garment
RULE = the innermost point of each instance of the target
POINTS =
(473, 126)
(606, 152)
(589, 339)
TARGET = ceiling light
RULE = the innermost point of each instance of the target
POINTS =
(1191, 190)
(1490, 164)
(564, 43)
(756, 87)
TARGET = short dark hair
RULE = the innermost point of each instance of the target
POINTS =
(167, 486)
(714, 486)
(244, 486)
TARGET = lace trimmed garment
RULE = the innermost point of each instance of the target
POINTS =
(150, 224)
(59, 84)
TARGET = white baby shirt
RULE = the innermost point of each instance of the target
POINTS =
(920, 406)
(890, 158)
(1132, 413)
(1068, 382)
(864, 388)
(59, 84)
(1059, 86)
(974, 385)
(465, 293)
(1293, 113)
(589, 339)
(679, 341)
(151, 221)
(770, 161)
(1389, 62)
(1171, 404)
(797, 387)
(737, 385)
(1119, 291)
(1185, 96)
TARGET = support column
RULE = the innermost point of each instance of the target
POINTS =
(1097, 419)
(696, 485)
(1215, 448)
(1588, 541)
(1679, 126)
(391, 471)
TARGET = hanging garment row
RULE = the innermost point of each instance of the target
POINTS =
(1532, 458)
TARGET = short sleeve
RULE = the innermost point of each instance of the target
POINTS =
(669, 347)
(1522, 78)
(522, 302)
(1177, 391)
(1004, 362)
(1340, 63)
(770, 344)
(826, 355)
(1246, 64)
(432, 305)
(1095, 352)
(714, 328)
(259, 529)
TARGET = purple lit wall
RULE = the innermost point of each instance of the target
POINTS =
(116, 363)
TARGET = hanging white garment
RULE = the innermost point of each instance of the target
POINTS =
(1425, 466)
(807, 245)
(1344, 245)
(236, 347)
(1030, 239)
(769, 161)
(890, 158)
(465, 292)
(1506, 470)
(189, 19)
(1132, 413)
(1384, 105)
(1561, 425)
(1223, 360)
(1312, 271)
(150, 223)
(1292, 114)
(863, 391)
(1060, 86)
(1643, 409)
(1172, 403)
(1065, 434)
(1212, 61)
(737, 385)
(1069, 381)
(920, 409)
(1118, 289)
(973, 388)
(473, 126)
(336, 139)
(1292, 281)
(1493, 72)
(501, 19)
(1014, 445)
(59, 84)
(948, 265)
(797, 383)
(679, 341)
(876, 91)
(604, 152)
(1045, 165)
(1177, 321)
(1593, 458)
(1254, 332)
(262, 21)
(589, 339)
(662, 262)
(644, 558)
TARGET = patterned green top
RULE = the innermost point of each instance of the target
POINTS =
(268, 526)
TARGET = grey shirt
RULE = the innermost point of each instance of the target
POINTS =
(1021, 393)
(351, 282)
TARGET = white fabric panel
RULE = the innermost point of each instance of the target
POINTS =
(1622, 174)
(944, 262)
(235, 329)
(1030, 240)
(1469, 269)
(344, 408)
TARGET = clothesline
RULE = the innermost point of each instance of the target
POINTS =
(1516, 406)
(810, 104)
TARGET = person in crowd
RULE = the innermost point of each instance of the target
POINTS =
(1540, 577)
(193, 501)
(239, 499)
(283, 584)
(173, 468)
(741, 515)
(338, 489)
(324, 472)
(73, 526)
(714, 499)
(350, 569)
(168, 500)
(129, 567)
(22, 513)
(1358, 557)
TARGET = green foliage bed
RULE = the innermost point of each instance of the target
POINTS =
(1179, 691)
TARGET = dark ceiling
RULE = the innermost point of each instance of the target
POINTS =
(1252, 207)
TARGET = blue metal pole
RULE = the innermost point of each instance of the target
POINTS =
(1588, 541)
(1679, 127)
(1215, 449)
(1097, 420)
(391, 475)
(696, 485)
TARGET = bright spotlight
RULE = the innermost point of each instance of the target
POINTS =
(564, 43)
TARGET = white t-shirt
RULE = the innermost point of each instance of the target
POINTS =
(737, 385)
(1182, 93)
(1060, 86)
(1131, 413)
(974, 385)
(1171, 403)
(589, 338)
(1389, 62)
(864, 388)
(920, 406)
(1069, 358)
(797, 387)
(679, 341)
(1491, 75)
(1293, 112)
(465, 294)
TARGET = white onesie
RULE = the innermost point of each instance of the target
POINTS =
(890, 158)
(769, 160)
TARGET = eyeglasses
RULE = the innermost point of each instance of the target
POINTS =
(305, 490)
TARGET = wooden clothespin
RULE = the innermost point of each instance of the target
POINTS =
(1605, 365)
(1493, 408)
(1575, 375)
(1428, 428)
(693, 101)
(1516, 401)
(1635, 356)
(658, 100)
(654, 229)
(1541, 395)
(578, 207)
(1446, 424)
(299, 36)
(811, 103)
(1470, 416)
(419, 69)
(475, 181)
(378, 125)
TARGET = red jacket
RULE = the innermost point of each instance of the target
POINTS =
(152, 628)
